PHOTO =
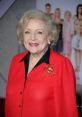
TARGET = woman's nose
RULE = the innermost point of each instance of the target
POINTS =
(33, 36)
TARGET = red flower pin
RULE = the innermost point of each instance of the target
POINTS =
(49, 69)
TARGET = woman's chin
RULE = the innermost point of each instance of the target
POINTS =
(33, 51)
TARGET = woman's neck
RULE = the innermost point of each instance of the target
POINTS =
(34, 58)
(79, 16)
(57, 20)
(68, 20)
(38, 55)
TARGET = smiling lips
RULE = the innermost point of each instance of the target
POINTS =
(33, 44)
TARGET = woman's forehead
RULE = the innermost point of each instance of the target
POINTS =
(36, 23)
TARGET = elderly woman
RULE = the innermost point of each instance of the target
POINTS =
(41, 82)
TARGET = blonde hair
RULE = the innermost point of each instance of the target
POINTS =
(51, 26)
(67, 12)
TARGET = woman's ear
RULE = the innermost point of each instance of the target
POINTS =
(48, 41)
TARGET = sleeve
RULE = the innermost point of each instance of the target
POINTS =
(9, 78)
(69, 90)
(12, 65)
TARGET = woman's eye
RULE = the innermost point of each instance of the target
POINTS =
(27, 32)
(40, 32)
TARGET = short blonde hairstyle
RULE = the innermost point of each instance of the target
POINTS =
(67, 12)
(51, 26)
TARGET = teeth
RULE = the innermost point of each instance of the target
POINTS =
(33, 44)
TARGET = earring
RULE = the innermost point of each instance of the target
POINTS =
(49, 42)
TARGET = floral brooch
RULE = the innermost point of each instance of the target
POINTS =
(49, 69)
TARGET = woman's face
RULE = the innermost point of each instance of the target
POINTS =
(80, 9)
(68, 15)
(48, 9)
(57, 14)
(35, 36)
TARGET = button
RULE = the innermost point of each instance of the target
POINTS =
(19, 105)
(20, 92)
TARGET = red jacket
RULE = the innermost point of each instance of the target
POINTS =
(49, 90)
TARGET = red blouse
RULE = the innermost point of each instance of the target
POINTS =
(49, 90)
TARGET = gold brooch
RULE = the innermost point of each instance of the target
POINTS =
(49, 69)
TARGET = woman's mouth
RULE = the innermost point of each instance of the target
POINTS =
(33, 44)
